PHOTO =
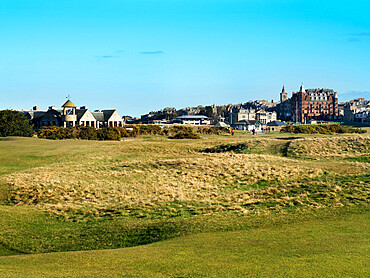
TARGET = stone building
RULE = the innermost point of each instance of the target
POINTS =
(242, 114)
(70, 115)
(283, 108)
(250, 114)
(357, 110)
(266, 117)
(317, 104)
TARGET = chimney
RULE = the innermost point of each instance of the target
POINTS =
(35, 108)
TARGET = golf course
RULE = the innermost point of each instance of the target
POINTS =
(270, 205)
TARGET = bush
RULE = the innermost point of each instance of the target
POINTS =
(320, 129)
(185, 135)
(212, 130)
(56, 132)
(14, 123)
(79, 132)
(88, 133)
(109, 133)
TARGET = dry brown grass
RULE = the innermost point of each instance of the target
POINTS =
(160, 178)
(330, 147)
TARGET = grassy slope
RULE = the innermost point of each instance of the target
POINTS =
(25, 229)
(338, 247)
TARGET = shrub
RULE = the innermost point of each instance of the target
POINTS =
(320, 129)
(55, 132)
(109, 133)
(14, 123)
(123, 131)
(185, 135)
(87, 133)
(212, 130)
(79, 132)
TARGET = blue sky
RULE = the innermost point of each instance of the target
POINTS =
(143, 55)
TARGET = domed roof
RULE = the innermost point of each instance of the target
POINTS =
(69, 104)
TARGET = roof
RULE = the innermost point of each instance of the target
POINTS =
(301, 89)
(189, 117)
(107, 114)
(246, 122)
(283, 90)
(80, 113)
(32, 115)
(99, 116)
(69, 103)
(221, 124)
(103, 116)
(276, 123)
(51, 115)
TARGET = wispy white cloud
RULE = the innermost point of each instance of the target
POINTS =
(356, 37)
(152, 52)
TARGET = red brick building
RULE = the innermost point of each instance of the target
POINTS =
(317, 104)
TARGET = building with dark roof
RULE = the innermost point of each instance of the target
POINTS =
(317, 104)
(70, 115)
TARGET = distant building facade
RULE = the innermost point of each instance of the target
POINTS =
(317, 104)
(251, 114)
(70, 115)
(193, 120)
(284, 107)
(357, 110)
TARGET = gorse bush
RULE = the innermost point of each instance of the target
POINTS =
(79, 132)
(109, 133)
(185, 135)
(320, 129)
(116, 133)
(88, 133)
(56, 132)
(212, 130)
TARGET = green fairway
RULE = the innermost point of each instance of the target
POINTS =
(337, 247)
(229, 206)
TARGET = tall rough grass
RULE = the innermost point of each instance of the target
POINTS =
(156, 179)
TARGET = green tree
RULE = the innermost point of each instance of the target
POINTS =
(14, 123)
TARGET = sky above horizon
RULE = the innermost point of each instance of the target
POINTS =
(144, 55)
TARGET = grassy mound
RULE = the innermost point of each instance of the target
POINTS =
(298, 147)
(335, 247)
(330, 147)
(116, 194)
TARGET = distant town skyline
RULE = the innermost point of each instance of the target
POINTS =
(144, 55)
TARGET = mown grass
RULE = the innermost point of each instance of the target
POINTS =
(336, 247)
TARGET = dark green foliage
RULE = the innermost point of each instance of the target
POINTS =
(116, 133)
(56, 132)
(362, 158)
(88, 133)
(236, 148)
(212, 130)
(14, 123)
(79, 132)
(185, 135)
(123, 131)
(110, 133)
(320, 129)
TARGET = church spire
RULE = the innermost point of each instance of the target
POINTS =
(283, 95)
(283, 90)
